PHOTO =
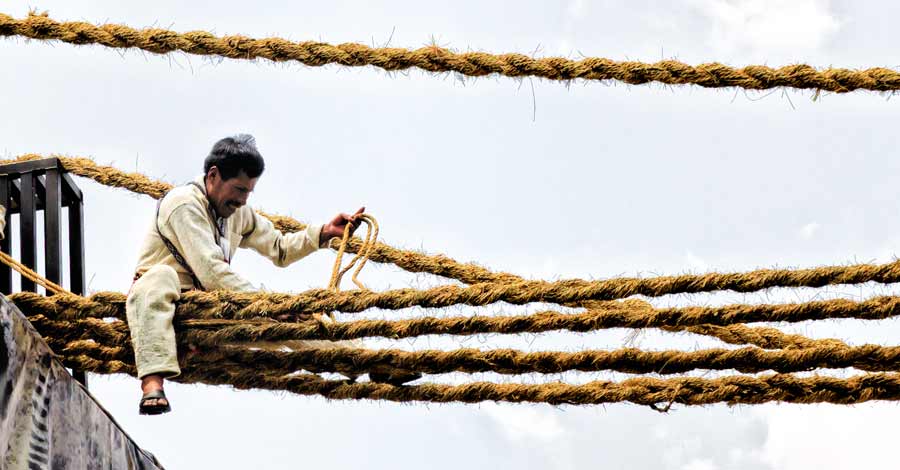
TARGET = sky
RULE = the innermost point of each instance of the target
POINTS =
(544, 179)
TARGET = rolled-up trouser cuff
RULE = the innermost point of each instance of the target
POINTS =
(166, 372)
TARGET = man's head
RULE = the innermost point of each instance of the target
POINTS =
(232, 168)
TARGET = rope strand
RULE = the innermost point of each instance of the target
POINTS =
(733, 390)
(436, 59)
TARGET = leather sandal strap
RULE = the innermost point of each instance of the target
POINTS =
(156, 394)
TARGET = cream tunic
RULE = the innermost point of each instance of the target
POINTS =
(187, 208)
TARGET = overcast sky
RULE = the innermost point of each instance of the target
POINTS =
(580, 179)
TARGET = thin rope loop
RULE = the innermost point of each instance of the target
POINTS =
(31, 275)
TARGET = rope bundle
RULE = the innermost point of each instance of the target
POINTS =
(89, 333)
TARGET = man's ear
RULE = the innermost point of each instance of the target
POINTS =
(213, 172)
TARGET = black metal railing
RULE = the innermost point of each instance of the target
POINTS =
(43, 185)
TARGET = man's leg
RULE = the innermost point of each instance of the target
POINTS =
(150, 309)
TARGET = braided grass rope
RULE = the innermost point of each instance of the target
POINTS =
(732, 390)
(436, 59)
(212, 333)
(357, 361)
(233, 305)
(212, 310)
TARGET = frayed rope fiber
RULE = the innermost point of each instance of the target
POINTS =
(233, 305)
(358, 361)
(649, 391)
(209, 322)
(437, 59)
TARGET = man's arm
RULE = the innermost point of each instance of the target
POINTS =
(190, 227)
(282, 248)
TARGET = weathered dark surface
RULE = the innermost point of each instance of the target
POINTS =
(47, 419)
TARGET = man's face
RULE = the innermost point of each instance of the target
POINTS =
(227, 196)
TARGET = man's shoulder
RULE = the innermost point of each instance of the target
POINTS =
(187, 194)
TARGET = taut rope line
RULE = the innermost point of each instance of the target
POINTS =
(223, 305)
(732, 390)
(436, 59)
(827, 354)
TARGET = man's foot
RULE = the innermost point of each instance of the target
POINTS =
(394, 377)
(154, 400)
(154, 403)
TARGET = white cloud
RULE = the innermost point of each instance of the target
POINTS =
(798, 435)
(809, 230)
(520, 422)
(700, 464)
(576, 9)
(695, 263)
(768, 25)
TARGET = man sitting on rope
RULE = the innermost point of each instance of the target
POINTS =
(196, 230)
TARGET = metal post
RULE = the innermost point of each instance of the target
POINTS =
(76, 259)
(6, 243)
(76, 246)
(27, 229)
(52, 224)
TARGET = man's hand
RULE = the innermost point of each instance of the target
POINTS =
(335, 228)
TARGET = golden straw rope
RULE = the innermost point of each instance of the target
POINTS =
(33, 276)
(437, 59)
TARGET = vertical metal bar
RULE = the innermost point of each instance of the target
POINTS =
(76, 247)
(27, 216)
(6, 243)
(52, 225)
(76, 261)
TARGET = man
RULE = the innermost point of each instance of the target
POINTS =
(196, 230)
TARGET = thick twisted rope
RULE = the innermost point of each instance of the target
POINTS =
(357, 361)
(223, 304)
(690, 319)
(733, 390)
(198, 305)
(214, 333)
(763, 337)
(436, 59)
(508, 361)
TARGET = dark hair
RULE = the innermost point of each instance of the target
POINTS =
(233, 154)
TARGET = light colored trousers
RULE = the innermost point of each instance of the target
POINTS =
(150, 309)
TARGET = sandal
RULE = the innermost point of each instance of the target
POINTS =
(156, 409)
